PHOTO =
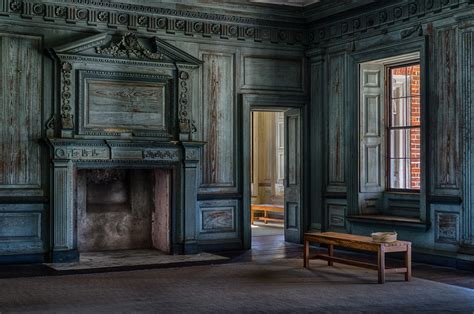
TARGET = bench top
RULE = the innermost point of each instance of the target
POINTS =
(344, 238)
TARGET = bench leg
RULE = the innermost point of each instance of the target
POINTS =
(330, 253)
(381, 265)
(306, 254)
(408, 263)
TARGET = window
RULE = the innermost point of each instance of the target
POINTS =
(390, 122)
(403, 128)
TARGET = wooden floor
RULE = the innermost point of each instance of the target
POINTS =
(271, 247)
(265, 248)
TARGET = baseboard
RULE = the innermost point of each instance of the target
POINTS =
(23, 258)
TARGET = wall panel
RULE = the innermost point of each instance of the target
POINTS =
(445, 119)
(218, 98)
(273, 73)
(336, 120)
(20, 112)
(218, 219)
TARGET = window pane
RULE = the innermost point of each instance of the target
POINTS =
(405, 154)
(413, 80)
(398, 113)
(400, 143)
(405, 112)
(405, 174)
(398, 82)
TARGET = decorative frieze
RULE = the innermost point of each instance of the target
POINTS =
(81, 153)
(321, 32)
(153, 19)
(161, 154)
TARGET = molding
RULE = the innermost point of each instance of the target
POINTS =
(95, 13)
(323, 31)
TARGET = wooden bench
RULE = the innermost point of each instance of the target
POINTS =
(266, 208)
(332, 239)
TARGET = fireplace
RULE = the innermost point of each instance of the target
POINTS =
(122, 209)
(125, 168)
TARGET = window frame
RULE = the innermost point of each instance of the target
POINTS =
(388, 107)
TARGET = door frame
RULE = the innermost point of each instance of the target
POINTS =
(253, 102)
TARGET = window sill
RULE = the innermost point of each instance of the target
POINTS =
(409, 222)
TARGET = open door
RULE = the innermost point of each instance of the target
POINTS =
(293, 176)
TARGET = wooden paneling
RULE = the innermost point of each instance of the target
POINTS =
(278, 74)
(372, 149)
(315, 147)
(336, 216)
(467, 98)
(20, 112)
(336, 122)
(218, 219)
(115, 104)
(445, 119)
(219, 160)
(447, 227)
(21, 227)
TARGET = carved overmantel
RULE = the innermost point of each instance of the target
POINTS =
(116, 86)
(123, 102)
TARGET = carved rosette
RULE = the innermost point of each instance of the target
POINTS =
(67, 121)
(186, 124)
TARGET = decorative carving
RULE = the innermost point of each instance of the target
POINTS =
(364, 20)
(81, 14)
(161, 154)
(186, 124)
(182, 20)
(357, 23)
(15, 6)
(84, 153)
(38, 9)
(66, 115)
(128, 46)
(415, 29)
(60, 11)
(191, 154)
(51, 126)
(102, 16)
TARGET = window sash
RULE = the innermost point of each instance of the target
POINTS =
(405, 124)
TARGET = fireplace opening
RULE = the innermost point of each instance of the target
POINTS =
(123, 209)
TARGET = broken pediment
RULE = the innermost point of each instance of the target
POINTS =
(127, 46)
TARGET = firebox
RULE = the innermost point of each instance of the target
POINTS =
(121, 209)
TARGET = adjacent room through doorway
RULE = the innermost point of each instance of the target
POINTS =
(267, 173)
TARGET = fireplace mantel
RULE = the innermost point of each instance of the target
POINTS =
(69, 155)
(125, 102)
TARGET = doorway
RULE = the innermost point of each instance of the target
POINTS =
(272, 138)
(267, 174)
